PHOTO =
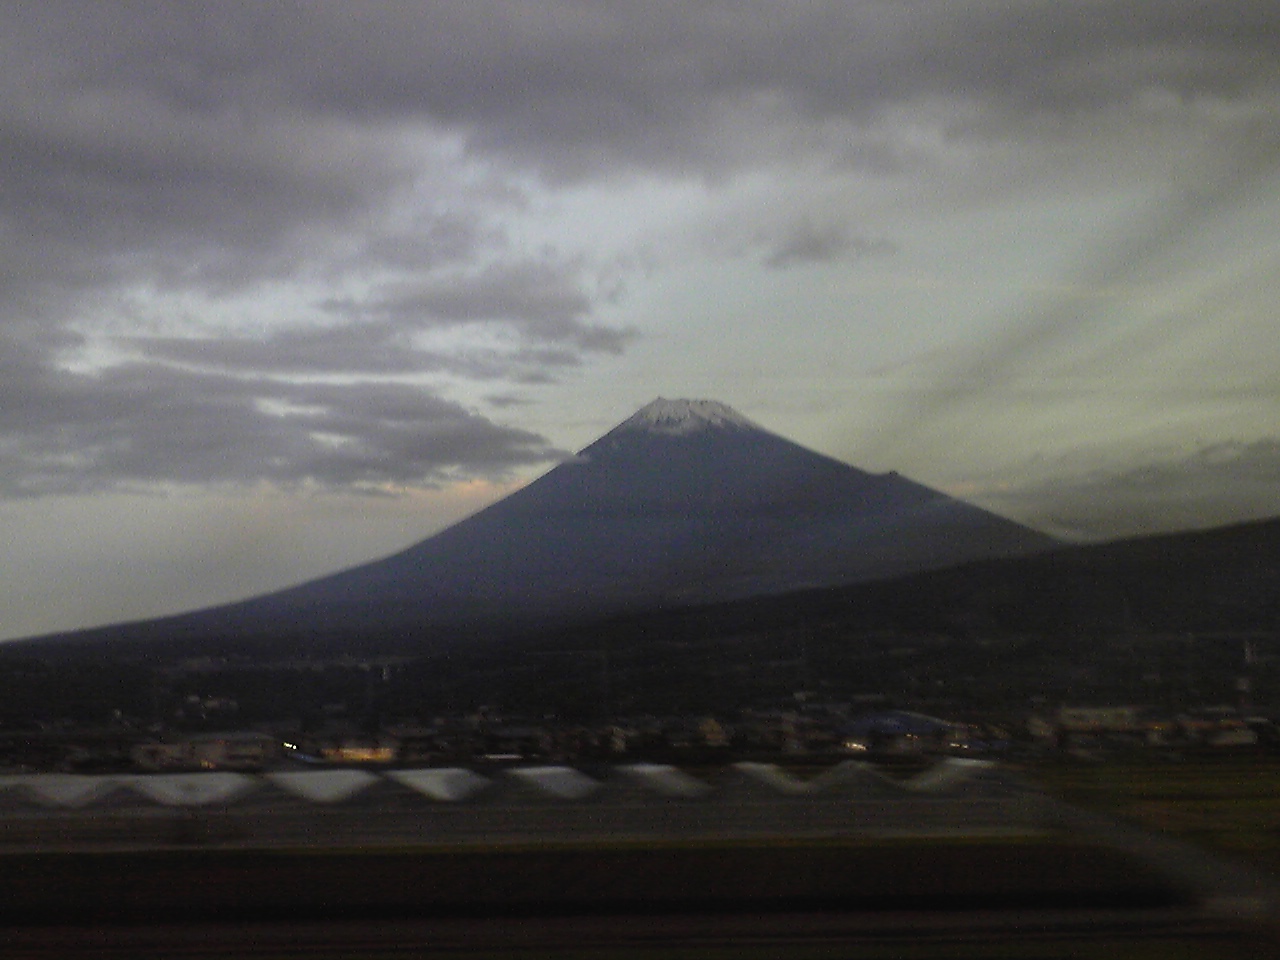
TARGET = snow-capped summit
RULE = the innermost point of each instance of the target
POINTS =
(685, 502)
(679, 417)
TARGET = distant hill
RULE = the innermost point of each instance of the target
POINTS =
(1217, 581)
(1173, 620)
(685, 503)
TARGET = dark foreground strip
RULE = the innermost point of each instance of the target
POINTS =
(324, 885)
(907, 935)
(795, 900)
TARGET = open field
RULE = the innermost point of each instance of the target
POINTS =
(780, 936)
(568, 878)
(1075, 887)
(916, 898)
(1231, 805)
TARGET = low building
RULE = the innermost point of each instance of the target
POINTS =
(1117, 719)
(244, 750)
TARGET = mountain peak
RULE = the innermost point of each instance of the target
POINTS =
(680, 417)
(685, 502)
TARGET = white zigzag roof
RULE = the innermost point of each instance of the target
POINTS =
(951, 772)
(190, 789)
(323, 786)
(68, 789)
(773, 777)
(446, 783)
(564, 782)
(665, 779)
(855, 776)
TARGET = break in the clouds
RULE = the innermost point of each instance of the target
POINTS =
(282, 242)
(1213, 484)
(537, 316)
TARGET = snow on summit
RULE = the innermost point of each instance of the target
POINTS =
(679, 417)
(685, 502)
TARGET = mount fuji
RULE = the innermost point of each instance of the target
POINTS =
(686, 502)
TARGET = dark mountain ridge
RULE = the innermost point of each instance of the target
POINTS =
(686, 502)
(1217, 581)
(1163, 620)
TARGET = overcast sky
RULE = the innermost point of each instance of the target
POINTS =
(286, 286)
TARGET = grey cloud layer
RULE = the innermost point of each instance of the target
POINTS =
(543, 304)
(1215, 484)
(213, 149)
(138, 425)
(577, 81)
(810, 243)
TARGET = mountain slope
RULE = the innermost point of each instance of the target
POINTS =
(685, 502)
(1166, 619)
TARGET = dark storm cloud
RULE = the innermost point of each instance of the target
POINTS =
(226, 123)
(575, 82)
(143, 424)
(211, 148)
(107, 184)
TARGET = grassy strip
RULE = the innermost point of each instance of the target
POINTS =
(1020, 838)
(1231, 806)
